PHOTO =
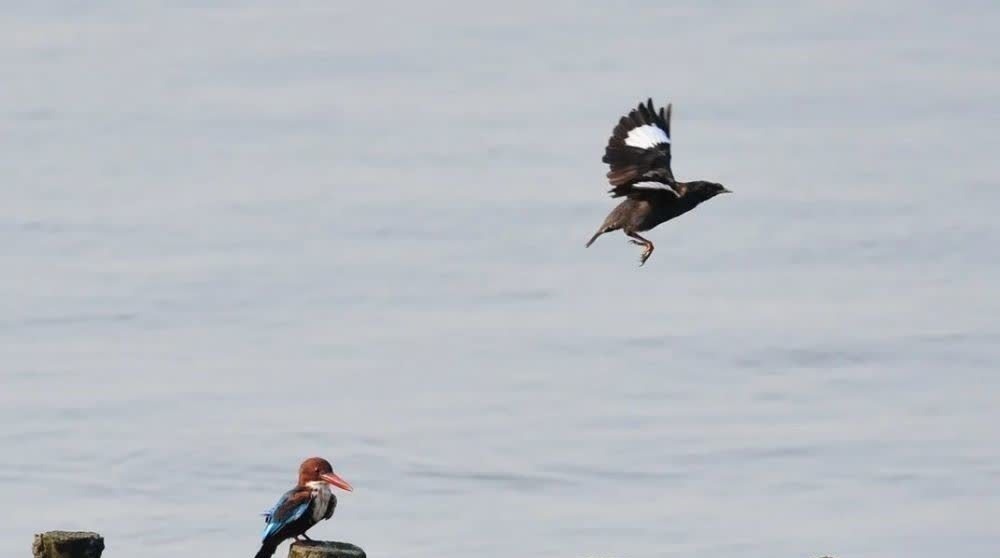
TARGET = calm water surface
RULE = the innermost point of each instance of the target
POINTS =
(239, 235)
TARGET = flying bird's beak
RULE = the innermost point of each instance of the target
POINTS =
(333, 479)
(725, 190)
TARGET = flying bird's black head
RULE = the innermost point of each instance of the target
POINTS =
(704, 190)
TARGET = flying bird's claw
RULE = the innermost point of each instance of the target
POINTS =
(646, 252)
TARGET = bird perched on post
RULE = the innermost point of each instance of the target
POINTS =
(303, 506)
(639, 155)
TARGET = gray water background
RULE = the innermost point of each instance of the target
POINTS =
(239, 234)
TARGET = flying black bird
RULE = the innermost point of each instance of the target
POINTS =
(639, 155)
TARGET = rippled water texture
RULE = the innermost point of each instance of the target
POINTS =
(239, 235)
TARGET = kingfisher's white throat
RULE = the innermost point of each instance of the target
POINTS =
(321, 499)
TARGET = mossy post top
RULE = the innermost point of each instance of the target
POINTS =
(325, 549)
(67, 544)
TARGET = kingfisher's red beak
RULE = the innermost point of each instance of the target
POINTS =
(333, 479)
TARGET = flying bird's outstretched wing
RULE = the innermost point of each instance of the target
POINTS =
(639, 149)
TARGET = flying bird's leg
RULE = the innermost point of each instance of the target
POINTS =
(306, 537)
(640, 241)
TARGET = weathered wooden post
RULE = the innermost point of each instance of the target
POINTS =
(324, 549)
(67, 544)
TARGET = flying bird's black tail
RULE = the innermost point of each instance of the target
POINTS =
(266, 550)
(599, 232)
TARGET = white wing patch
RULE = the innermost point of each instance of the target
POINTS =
(646, 136)
(655, 186)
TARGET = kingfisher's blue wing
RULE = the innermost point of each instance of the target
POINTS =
(267, 514)
(291, 506)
